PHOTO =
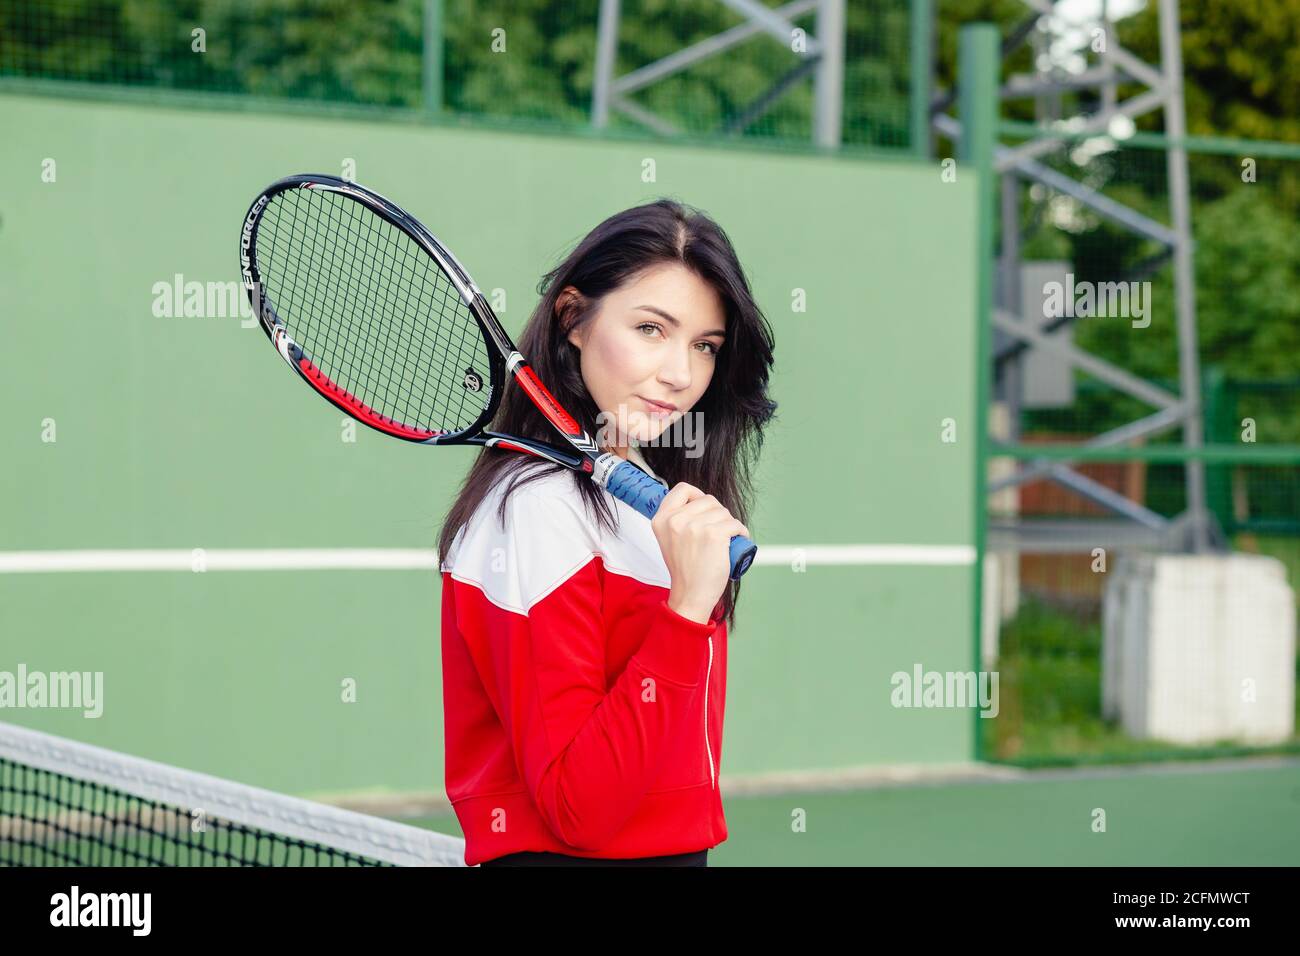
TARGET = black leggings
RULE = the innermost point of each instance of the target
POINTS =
(532, 858)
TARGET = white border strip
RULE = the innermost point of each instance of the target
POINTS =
(424, 559)
(236, 802)
(868, 554)
(221, 559)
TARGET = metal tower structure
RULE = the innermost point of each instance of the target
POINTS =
(820, 55)
(1016, 334)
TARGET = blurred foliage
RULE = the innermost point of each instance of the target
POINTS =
(523, 59)
(304, 49)
(1241, 65)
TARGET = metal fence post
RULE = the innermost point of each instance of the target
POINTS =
(978, 66)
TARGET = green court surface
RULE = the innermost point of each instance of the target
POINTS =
(1227, 813)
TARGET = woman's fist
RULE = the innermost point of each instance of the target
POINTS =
(694, 532)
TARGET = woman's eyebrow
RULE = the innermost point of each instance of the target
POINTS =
(662, 314)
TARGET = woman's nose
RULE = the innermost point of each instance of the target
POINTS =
(676, 370)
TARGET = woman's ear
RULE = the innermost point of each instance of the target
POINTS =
(566, 301)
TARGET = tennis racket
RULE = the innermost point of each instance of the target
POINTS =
(382, 321)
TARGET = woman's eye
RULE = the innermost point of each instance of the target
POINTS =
(648, 325)
(712, 349)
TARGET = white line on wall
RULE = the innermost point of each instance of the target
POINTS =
(422, 559)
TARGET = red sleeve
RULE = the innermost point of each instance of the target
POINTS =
(588, 752)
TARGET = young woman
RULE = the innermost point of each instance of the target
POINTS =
(584, 648)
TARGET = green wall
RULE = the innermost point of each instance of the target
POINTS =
(187, 433)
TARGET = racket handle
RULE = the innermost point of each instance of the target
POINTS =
(631, 485)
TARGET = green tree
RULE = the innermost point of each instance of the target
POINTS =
(1241, 64)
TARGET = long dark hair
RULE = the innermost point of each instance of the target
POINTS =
(734, 407)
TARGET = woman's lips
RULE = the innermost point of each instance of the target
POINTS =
(658, 408)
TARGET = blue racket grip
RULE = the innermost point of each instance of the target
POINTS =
(630, 484)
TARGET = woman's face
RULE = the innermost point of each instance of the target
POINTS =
(653, 340)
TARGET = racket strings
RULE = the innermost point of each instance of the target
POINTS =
(373, 311)
(367, 244)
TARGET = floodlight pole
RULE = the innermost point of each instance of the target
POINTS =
(1189, 366)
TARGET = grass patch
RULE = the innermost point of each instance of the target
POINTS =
(1050, 698)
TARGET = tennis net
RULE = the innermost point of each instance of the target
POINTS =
(64, 803)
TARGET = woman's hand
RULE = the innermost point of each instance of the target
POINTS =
(694, 532)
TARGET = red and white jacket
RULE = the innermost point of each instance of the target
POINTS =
(582, 715)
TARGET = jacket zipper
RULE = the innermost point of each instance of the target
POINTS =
(708, 749)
